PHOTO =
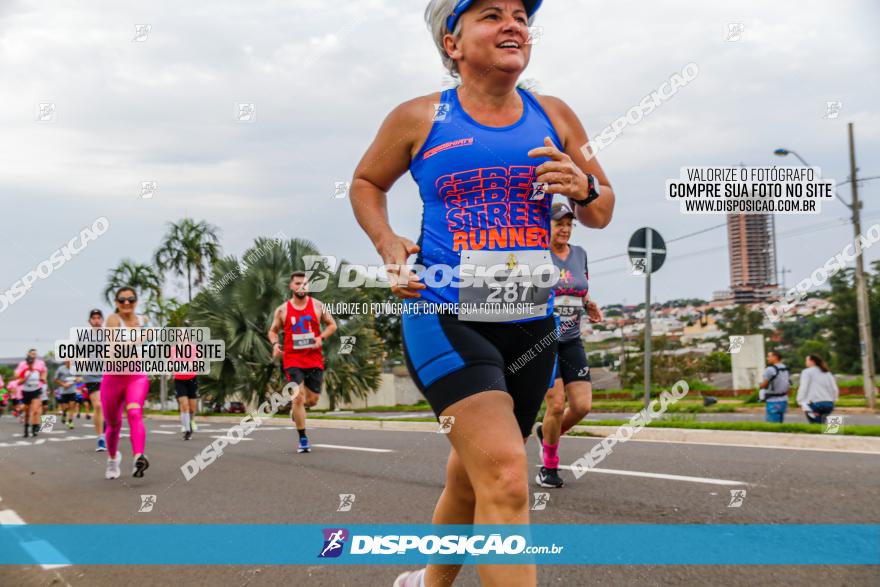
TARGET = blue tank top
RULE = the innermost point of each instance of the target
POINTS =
(476, 184)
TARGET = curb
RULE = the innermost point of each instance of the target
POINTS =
(825, 442)
(748, 438)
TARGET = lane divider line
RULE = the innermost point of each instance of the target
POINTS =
(360, 448)
(665, 476)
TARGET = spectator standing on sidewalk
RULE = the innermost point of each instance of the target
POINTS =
(817, 391)
(774, 387)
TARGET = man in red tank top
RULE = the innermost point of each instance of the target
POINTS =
(300, 320)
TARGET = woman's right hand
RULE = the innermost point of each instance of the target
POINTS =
(395, 250)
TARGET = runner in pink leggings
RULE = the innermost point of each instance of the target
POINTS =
(125, 392)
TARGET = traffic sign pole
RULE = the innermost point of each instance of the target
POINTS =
(647, 244)
(648, 270)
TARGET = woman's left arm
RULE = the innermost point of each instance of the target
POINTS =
(803, 393)
(574, 139)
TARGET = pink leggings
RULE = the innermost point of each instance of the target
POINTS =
(120, 392)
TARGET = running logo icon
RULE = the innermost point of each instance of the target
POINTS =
(319, 268)
(541, 501)
(736, 344)
(832, 110)
(46, 112)
(148, 189)
(47, 423)
(639, 266)
(833, 425)
(346, 501)
(446, 423)
(340, 189)
(735, 31)
(535, 35)
(584, 372)
(141, 32)
(441, 112)
(147, 503)
(539, 190)
(347, 344)
(737, 497)
(334, 541)
(246, 112)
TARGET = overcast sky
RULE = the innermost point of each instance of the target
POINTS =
(162, 107)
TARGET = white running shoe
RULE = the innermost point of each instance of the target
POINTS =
(410, 579)
(114, 467)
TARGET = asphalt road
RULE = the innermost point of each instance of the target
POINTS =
(59, 479)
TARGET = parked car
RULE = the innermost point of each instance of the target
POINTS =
(234, 408)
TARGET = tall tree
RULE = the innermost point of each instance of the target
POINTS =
(143, 278)
(741, 320)
(844, 320)
(188, 249)
(239, 306)
(844, 323)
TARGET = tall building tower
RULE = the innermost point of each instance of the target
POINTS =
(751, 242)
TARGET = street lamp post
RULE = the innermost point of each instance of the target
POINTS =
(866, 344)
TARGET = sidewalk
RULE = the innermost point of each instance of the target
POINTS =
(823, 442)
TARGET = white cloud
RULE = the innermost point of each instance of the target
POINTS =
(324, 75)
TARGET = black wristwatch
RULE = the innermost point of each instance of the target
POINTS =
(593, 188)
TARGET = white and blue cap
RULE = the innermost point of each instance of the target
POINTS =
(461, 6)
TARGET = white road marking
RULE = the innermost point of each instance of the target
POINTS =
(339, 446)
(10, 518)
(707, 480)
(178, 426)
(230, 439)
(162, 432)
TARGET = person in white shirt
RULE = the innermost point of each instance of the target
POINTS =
(817, 391)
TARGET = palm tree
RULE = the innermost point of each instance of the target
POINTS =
(141, 277)
(354, 374)
(189, 247)
(241, 312)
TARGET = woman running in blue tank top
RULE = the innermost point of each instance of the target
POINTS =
(479, 334)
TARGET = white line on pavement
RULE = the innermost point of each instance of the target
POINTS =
(10, 518)
(706, 480)
(339, 446)
(229, 438)
(162, 432)
(201, 426)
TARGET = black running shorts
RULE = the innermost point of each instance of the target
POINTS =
(313, 377)
(186, 388)
(451, 359)
(571, 362)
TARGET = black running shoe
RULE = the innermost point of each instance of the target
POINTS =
(187, 435)
(548, 478)
(26, 432)
(141, 464)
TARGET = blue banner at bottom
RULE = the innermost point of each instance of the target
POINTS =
(377, 544)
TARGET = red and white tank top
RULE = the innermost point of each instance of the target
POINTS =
(301, 327)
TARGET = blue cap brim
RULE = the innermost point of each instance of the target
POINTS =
(532, 7)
